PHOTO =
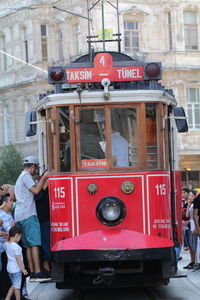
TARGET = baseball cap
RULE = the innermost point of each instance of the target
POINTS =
(31, 160)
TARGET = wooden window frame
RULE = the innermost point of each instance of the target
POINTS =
(53, 137)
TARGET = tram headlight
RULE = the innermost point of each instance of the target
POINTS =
(111, 211)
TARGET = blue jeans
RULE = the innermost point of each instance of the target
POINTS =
(178, 250)
(45, 235)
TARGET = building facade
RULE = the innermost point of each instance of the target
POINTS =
(152, 30)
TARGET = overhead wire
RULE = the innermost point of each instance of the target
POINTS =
(24, 62)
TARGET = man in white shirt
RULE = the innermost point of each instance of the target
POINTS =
(26, 215)
(119, 150)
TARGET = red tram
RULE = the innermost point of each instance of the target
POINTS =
(108, 133)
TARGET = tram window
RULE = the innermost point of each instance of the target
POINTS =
(64, 138)
(151, 137)
(92, 138)
(124, 145)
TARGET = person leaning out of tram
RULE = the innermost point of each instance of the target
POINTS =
(26, 215)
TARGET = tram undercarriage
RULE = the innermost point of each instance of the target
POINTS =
(113, 268)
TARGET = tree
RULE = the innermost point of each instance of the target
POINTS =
(11, 165)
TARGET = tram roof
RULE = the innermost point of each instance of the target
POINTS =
(116, 96)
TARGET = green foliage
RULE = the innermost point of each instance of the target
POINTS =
(11, 165)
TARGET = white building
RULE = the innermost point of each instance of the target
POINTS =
(152, 30)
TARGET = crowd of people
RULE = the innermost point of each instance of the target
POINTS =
(191, 227)
(24, 232)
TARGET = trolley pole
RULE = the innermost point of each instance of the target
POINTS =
(89, 37)
(118, 26)
(103, 27)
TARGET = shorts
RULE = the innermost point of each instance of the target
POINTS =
(16, 279)
(31, 232)
(192, 240)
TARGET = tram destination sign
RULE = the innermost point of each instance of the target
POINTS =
(103, 68)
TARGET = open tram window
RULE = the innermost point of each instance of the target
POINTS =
(124, 144)
(151, 137)
(92, 138)
(64, 138)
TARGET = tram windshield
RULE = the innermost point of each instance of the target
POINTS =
(92, 134)
(111, 137)
(105, 143)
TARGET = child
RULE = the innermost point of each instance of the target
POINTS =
(15, 265)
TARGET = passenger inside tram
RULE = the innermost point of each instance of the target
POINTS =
(119, 145)
(120, 150)
(90, 136)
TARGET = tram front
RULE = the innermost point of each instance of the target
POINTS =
(110, 145)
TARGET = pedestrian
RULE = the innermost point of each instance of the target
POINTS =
(196, 208)
(7, 223)
(2, 235)
(191, 231)
(24, 292)
(185, 220)
(15, 265)
(26, 216)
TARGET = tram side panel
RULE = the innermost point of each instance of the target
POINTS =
(61, 208)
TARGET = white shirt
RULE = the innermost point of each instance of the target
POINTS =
(7, 222)
(192, 224)
(120, 149)
(13, 249)
(25, 204)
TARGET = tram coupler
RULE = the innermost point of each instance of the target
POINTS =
(105, 275)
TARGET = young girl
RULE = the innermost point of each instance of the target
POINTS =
(15, 265)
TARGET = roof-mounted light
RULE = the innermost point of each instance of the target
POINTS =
(153, 71)
(56, 75)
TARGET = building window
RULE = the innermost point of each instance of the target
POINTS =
(25, 44)
(44, 42)
(6, 125)
(169, 26)
(131, 36)
(193, 104)
(3, 57)
(60, 45)
(190, 29)
(77, 38)
(191, 179)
